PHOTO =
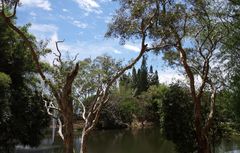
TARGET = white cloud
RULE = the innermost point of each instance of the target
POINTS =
(65, 10)
(169, 76)
(89, 6)
(33, 14)
(66, 17)
(44, 28)
(79, 24)
(98, 37)
(117, 51)
(44, 4)
(84, 49)
(74, 22)
(132, 47)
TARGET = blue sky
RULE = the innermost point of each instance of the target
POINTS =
(82, 24)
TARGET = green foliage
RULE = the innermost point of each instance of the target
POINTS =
(178, 116)
(235, 95)
(140, 80)
(118, 113)
(225, 106)
(29, 117)
(5, 80)
(231, 45)
(93, 74)
(127, 103)
(134, 78)
(143, 80)
(150, 103)
(5, 112)
(23, 116)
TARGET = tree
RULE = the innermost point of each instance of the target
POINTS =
(235, 95)
(156, 79)
(151, 69)
(230, 51)
(172, 23)
(231, 47)
(101, 97)
(153, 78)
(60, 88)
(141, 79)
(177, 121)
(23, 116)
(151, 102)
(134, 78)
(143, 76)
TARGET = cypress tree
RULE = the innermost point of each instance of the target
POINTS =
(138, 83)
(155, 78)
(134, 78)
(151, 69)
(142, 84)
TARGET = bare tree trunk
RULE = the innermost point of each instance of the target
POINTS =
(84, 138)
(53, 127)
(200, 135)
(203, 144)
(68, 128)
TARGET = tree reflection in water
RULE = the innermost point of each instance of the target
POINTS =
(125, 141)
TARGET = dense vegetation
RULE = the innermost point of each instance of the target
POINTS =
(104, 93)
(23, 117)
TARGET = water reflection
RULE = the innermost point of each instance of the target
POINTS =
(124, 141)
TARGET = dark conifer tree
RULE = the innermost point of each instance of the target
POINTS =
(156, 79)
(151, 69)
(142, 77)
(134, 78)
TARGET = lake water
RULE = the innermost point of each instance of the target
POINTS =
(125, 141)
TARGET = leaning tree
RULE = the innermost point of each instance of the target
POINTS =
(191, 33)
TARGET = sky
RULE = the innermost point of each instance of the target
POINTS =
(82, 25)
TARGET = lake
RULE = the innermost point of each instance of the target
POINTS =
(125, 141)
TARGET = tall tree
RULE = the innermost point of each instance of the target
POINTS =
(153, 78)
(143, 80)
(174, 22)
(151, 69)
(63, 75)
(156, 79)
(23, 116)
(231, 52)
(134, 78)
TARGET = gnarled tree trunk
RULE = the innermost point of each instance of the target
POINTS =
(67, 113)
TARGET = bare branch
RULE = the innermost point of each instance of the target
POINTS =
(59, 56)
(60, 126)
(74, 59)
(84, 111)
(50, 105)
